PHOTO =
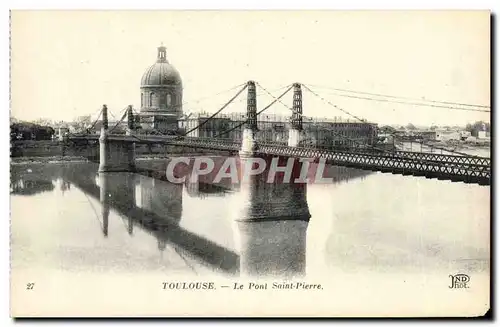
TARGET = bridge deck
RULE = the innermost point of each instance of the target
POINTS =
(468, 169)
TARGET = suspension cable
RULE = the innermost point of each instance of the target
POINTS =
(275, 100)
(269, 93)
(207, 97)
(95, 121)
(258, 113)
(112, 115)
(217, 112)
(410, 103)
(405, 98)
(334, 105)
(392, 134)
(118, 122)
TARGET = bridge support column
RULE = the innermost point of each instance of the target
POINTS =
(271, 226)
(114, 156)
(249, 137)
(131, 131)
(295, 133)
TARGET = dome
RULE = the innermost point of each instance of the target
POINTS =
(161, 73)
(161, 93)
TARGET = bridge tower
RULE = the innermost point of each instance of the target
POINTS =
(272, 221)
(249, 138)
(295, 133)
(130, 131)
(115, 155)
(130, 121)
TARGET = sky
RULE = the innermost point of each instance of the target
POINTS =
(69, 63)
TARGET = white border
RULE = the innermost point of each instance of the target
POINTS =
(185, 4)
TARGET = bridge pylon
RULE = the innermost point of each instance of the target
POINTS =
(295, 133)
(249, 137)
(271, 230)
(114, 156)
(130, 121)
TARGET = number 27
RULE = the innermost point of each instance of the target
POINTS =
(29, 286)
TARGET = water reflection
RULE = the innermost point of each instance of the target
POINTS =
(104, 197)
(267, 224)
(272, 217)
(159, 213)
(273, 248)
(29, 183)
(204, 190)
(30, 187)
(159, 197)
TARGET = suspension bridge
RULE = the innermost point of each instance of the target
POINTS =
(116, 151)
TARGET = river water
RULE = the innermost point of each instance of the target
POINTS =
(361, 222)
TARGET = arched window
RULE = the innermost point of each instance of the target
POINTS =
(142, 100)
(151, 95)
(162, 100)
(169, 100)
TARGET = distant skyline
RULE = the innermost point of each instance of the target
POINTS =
(66, 64)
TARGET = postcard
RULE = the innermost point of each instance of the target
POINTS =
(250, 163)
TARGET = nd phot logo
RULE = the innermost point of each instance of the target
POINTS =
(459, 281)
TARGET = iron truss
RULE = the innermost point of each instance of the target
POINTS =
(468, 169)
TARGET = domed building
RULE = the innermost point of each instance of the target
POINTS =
(161, 95)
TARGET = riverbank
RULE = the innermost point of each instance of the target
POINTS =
(44, 160)
(461, 145)
(77, 159)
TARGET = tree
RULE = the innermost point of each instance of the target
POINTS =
(60, 123)
(478, 126)
(410, 126)
(81, 123)
(387, 129)
(43, 122)
(30, 131)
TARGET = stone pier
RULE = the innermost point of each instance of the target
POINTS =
(115, 156)
(272, 224)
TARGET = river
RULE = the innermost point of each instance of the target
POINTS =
(363, 221)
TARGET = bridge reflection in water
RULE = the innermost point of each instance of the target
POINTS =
(269, 224)
(272, 222)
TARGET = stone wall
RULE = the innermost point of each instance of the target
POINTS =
(52, 149)
(90, 151)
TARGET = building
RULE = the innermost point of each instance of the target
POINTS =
(425, 135)
(61, 132)
(448, 135)
(161, 110)
(484, 135)
(464, 135)
(338, 132)
(161, 95)
(209, 127)
(274, 128)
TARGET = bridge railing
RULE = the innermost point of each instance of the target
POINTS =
(382, 157)
(471, 161)
(395, 164)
